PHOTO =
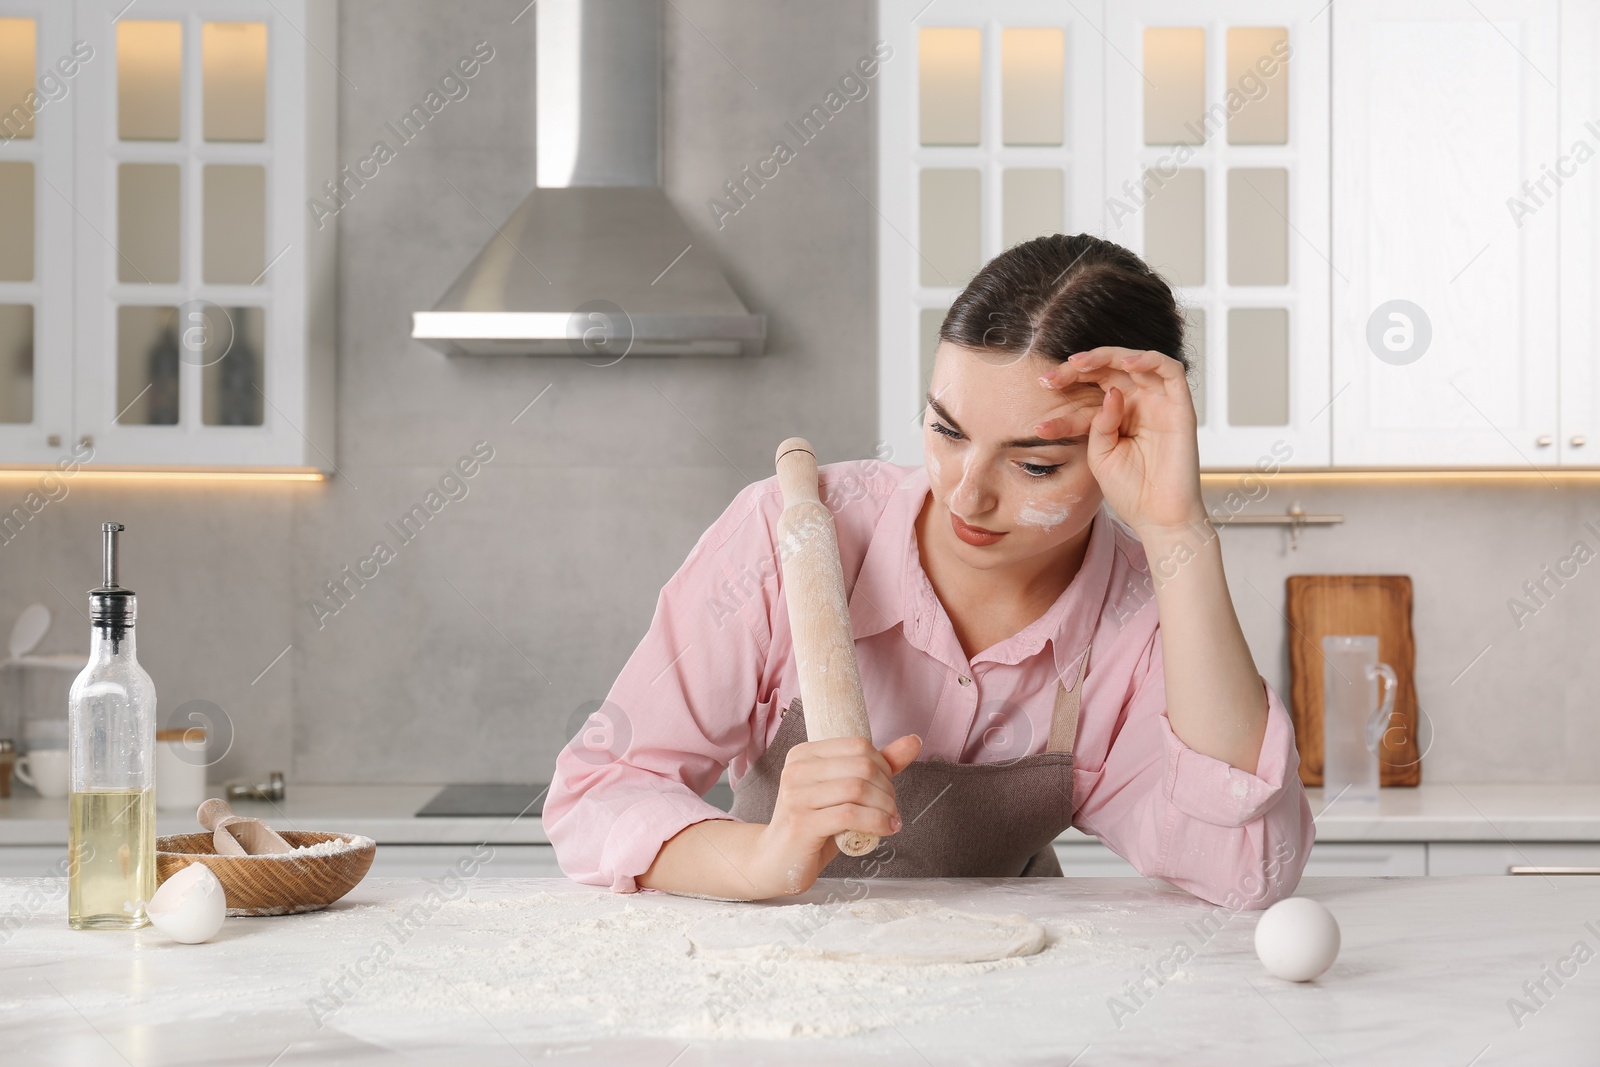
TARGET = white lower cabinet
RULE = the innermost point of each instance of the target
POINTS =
(1499, 857)
(1079, 859)
(1359, 859)
(33, 861)
(391, 861)
(465, 861)
(1091, 859)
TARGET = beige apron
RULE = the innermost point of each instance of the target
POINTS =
(960, 820)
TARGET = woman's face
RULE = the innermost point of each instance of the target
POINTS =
(1036, 495)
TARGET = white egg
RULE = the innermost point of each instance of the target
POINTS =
(1297, 939)
(189, 906)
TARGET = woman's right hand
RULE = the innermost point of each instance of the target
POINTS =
(827, 787)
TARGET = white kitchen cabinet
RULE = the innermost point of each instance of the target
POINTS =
(1445, 298)
(1574, 176)
(989, 134)
(1000, 122)
(390, 861)
(1216, 159)
(435, 861)
(1393, 261)
(1090, 859)
(1360, 859)
(168, 300)
(1499, 857)
(35, 232)
(1079, 859)
(34, 861)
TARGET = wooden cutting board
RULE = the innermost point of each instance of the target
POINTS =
(1378, 604)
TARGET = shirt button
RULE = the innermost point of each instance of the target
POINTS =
(964, 680)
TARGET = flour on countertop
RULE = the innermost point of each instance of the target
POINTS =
(499, 962)
(599, 963)
(900, 932)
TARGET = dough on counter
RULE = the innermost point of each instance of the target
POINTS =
(876, 931)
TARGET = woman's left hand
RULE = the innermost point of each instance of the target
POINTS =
(1142, 445)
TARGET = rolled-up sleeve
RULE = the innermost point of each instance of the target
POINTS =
(680, 710)
(1228, 836)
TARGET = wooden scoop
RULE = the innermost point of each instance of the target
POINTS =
(819, 615)
(238, 835)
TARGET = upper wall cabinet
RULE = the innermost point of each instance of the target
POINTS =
(166, 298)
(1383, 219)
(1446, 299)
(989, 134)
(36, 223)
(1217, 174)
(1574, 176)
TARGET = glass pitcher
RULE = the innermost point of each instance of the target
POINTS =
(1353, 719)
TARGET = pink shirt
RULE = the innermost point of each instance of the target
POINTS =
(704, 688)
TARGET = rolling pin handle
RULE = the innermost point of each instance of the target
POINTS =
(818, 633)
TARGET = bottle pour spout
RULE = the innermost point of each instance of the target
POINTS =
(109, 531)
(111, 604)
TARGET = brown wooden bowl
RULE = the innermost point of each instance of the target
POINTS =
(281, 884)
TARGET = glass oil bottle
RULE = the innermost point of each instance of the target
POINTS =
(111, 737)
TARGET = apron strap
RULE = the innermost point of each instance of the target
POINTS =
(1064, 721)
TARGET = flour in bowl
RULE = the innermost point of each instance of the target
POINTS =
(331, 846)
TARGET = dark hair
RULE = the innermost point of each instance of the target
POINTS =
(1059, 294)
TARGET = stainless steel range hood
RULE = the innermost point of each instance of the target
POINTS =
(596, 261)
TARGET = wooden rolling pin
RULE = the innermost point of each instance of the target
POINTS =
(238, 835)
(819, 615)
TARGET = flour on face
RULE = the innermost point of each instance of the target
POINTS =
(1048, 515)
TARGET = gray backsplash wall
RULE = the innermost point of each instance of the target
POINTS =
(466, 657)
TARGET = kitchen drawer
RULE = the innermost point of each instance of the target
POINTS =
(435, 861)
(391, 861)
(1488, 857)
(33, 861)
(1367, 859)
(1090, 859)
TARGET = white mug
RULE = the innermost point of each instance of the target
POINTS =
(46, 770)
(181, 773)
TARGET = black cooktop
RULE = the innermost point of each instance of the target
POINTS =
(510, 799)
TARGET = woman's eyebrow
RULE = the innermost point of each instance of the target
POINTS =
(1021, 442)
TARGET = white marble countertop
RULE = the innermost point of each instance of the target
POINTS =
(1433, 812)
(504, 971)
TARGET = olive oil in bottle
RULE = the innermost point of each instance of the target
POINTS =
(111, 832)
(111, 737)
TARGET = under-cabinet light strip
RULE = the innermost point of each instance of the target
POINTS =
(292, 474)
(1420, 474)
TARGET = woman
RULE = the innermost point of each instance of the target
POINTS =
(1028, 661)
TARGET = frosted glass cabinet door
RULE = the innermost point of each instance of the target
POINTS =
(1445, 300)
(203, 339)
(1217, 172)
(35, 245)
(989, 129)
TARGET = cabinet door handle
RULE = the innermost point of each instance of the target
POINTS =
(1519, 869)
(1578, 440)
(1544, 440)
